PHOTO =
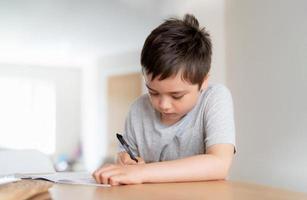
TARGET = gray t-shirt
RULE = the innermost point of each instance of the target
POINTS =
(210, 122)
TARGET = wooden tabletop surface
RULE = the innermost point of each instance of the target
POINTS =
(224, 190)
(193, 190)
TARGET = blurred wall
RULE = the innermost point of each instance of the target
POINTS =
(211, 15)
(94, 106)
(266, 56)
(68, 105)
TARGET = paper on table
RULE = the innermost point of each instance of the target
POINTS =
(8, 179)
(32, 164)
(76, 178)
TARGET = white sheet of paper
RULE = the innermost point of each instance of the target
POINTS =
(8, 179)
(76, 178)
(32, 164)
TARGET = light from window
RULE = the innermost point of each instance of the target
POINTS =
(27, 114)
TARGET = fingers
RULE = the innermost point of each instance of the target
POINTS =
(119, 174)
(114, 180)
(124, 159)
(98, 174)
(119, 160)
(108, 175)
(127, 160)
(140, 160)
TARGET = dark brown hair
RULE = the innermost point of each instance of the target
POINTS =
(178, 45)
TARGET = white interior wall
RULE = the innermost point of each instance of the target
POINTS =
(92, 141)
(94, 109)
(267, 74)
(68, 106)
(68, 111)
(210, 15)
(72, 33)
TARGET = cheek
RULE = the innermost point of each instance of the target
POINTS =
(186, 105)
(154, 101)
(183, 107)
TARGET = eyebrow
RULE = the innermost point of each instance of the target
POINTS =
(174, 92)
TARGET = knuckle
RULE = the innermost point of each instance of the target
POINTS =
(101, 176)
(104, 178)
(96, 174)
(108, 166)
(112, 179)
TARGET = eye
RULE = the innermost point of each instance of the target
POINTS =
(177, 97)
(153, 94)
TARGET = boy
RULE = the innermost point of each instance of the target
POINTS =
(183, 130)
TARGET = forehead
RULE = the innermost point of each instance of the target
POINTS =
(170, 84)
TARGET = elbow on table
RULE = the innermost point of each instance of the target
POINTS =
(222, 172)
(222, 176)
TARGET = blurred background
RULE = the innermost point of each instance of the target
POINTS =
(70, 69)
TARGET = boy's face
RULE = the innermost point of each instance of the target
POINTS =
(173, 97)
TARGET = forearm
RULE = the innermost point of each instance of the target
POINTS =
(195, 168)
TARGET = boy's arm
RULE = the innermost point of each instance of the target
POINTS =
(211, 166)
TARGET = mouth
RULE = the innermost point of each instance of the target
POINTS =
(169, 114)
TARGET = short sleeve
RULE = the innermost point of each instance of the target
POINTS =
(219, 117)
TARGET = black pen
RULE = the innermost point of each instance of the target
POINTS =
(126, 146)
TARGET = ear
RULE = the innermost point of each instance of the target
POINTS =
(204, 85)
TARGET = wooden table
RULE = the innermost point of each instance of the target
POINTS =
(193, 190)
(228, 190)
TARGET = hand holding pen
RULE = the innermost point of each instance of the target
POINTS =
(127, 157)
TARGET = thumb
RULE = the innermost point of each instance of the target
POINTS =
(140, 160)
(127, 160)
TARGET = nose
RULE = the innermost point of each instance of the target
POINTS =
(165, 104)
